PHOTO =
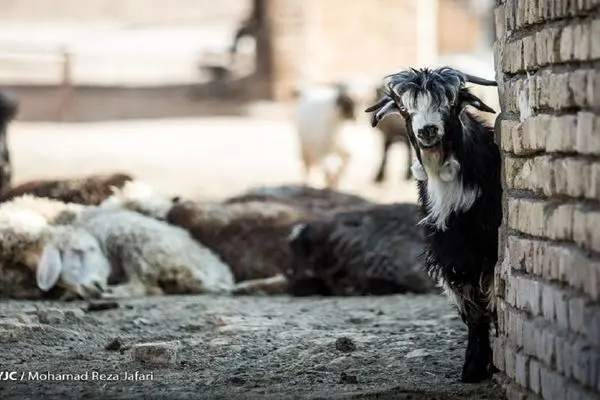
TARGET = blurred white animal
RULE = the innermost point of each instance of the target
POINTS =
(321, 112)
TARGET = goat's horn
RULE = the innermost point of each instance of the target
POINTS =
(479, 81)
(383, 101)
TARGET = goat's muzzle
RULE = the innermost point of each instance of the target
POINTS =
(428, 137)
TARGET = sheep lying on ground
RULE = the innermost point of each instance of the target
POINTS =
(101, 245)
(151, 257)
(372, 250)
(251, 233)
(91, 190)
(9, 108)
(248, 231)
(320, 115)
(250, 237)
(321, 201)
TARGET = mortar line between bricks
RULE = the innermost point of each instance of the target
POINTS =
(593, 255)
(569, 290)
(549, 112)
(552, 244)
(557, 155)
(559, 199)
(558, 67)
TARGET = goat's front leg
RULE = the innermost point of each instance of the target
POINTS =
(335, 167)
(387, 143)
(478, 357)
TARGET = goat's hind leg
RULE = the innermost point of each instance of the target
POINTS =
(408, 172)
(478, 357)
(387, 143)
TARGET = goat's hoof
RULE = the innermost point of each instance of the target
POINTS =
(378, 178)
(475, 373)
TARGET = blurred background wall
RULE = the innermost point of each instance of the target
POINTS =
(118, 59)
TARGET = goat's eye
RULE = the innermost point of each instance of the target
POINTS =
(402, 108)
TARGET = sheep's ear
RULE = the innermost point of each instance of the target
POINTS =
(49, 268)
(469, 99)
(297, 239)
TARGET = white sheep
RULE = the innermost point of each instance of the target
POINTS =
(321, 112)
(80, 249)
(153, 256)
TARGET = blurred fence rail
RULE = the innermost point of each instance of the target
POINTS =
(73, 68)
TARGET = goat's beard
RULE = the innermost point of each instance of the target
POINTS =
(433, 157)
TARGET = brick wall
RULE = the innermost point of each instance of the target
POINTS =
(547, 56)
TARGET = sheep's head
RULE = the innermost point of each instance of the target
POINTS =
(345, 102)
(431, 102)
(322, 252)
(72, 260)
(57, 259)
(9, 107)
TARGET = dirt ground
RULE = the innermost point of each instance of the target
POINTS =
(395, 347)
(221, 347)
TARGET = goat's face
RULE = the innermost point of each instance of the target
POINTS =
(431, 102)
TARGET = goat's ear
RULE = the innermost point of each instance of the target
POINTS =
(469, 99)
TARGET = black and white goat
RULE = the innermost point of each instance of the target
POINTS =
(458, 174)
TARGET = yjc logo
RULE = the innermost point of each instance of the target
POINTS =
(8, 376)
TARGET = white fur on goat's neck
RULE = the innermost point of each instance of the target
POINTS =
(445, 190)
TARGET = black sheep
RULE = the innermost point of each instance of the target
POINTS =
(368, 250)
